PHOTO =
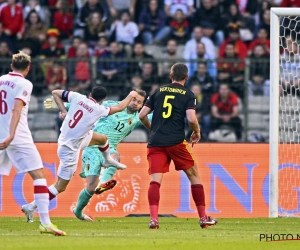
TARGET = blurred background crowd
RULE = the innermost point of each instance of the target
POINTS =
(130, 44)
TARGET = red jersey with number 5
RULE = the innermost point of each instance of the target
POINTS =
(82, 114)
(14, 86)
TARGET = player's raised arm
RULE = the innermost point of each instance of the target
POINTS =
(123, 104)
(58, 98)
(194, 125)
(144, 117)
(14, 121)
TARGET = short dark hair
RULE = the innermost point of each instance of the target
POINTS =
(20, 61)
(141, 93)
(179, 71)
(99, 93)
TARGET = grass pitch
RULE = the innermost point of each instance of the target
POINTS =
(133, 234)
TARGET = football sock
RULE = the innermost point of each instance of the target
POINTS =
(83, 199)
(199, 199)
(153, 199)
(51, 190)
(105, 150)
(108, 174)
(41, 198)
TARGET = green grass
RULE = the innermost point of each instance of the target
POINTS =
(133, 234)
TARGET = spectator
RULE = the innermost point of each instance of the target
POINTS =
(35, 32)
(11, 17)
(240, 48)
(89, 7)
(225, 111)
(101, 48)
(5, 54)
(244, 24)
(35, 74)
(290, 3)
(150, 80)
(202, 110)
(262, 39)
(168, 58)
(63, 19)
(116, 7)
(94, 29)
(136, 82)
(203, 78)
(139, 55)
(52, 48)
(265, 22)
(231, 71)
(187, 6)
(179, 27)
(191, 46)
(125, 32)
(112, 71)
(79, 71)
(248, 7)
(208, 17)
(4, 38)
(152, 24)
(52, 7)
(259, 72)
(202, 55)
(76, 40)
(35, 5)
(264, 5)
(56, 76)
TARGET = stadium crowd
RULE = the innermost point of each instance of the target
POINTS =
(79, 44)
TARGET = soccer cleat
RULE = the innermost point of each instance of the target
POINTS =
(153, 224)
(84, 217)
(110, 162)
(51, 229)
(207, 222)
(29, 213)
(102, 187)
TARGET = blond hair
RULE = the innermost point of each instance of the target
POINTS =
(21, 60)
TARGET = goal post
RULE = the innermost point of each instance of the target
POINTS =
(275, 84)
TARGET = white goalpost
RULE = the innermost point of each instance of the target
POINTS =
(284, 110)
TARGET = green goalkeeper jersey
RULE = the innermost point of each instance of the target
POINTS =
(117, 126)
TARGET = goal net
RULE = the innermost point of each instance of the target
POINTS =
(284, 192)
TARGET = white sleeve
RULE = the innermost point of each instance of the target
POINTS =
(24, 92)
(103, 111)
(168, 2)
(135, 29)
(72, 96)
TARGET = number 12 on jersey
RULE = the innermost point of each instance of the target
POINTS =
(167, 105)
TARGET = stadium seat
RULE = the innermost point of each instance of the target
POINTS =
(33, 104)
(137, 135)
(45, 135)
(258, 121)
(259, 104)
(44, 121)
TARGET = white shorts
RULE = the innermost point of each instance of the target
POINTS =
(24, 157)
(69, 158)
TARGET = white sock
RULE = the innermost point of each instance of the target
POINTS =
(104, 149)
(41, 197)
(53, 190)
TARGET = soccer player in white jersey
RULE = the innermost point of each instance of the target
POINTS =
(76, 134)
(16, 143)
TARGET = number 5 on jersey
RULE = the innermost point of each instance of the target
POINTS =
(168, 106)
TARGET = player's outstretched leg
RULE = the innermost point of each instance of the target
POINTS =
(105, 182)
(103, 145)
(83, 199)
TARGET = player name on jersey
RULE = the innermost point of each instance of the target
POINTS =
(8, 83)
(173, 90)
(85, 106)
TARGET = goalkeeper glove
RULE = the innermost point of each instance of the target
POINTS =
(50, 104)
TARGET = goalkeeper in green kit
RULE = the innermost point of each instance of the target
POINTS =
(116, 127)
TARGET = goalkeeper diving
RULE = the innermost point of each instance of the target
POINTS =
(116, 127)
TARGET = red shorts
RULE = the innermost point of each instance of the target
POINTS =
(159, 158)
